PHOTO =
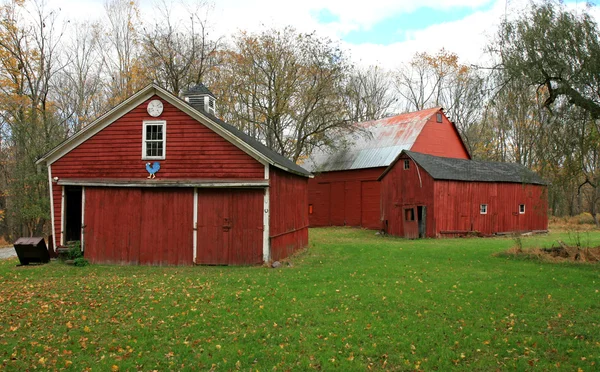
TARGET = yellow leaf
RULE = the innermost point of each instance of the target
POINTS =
(218, 347)
(42, 361)
(68, 363)
(69, 325)
(114, 368)
(86, 329)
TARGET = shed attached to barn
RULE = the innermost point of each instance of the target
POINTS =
(345, 190)
(430, 196)
(160, 180)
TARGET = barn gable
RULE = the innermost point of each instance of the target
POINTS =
(194, 190)
(425, 195)
(346, 191)
(377, 143)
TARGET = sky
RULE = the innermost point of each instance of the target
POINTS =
(386, 33)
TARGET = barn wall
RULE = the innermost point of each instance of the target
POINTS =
(288, 199)
(192, 151)
(345, 198)
(402, 189)
(458, 207)
(440, 139)
(151, 226)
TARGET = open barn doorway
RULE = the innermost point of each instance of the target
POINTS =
(73, 203)
(421, 219)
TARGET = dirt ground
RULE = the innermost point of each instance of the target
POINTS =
(563, 253)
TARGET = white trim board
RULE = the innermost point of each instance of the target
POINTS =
(266, 221)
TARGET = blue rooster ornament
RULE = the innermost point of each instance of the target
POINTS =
(152, 169)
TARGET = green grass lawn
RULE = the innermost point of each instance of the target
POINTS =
(353, 301)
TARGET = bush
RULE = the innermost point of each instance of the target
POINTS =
(80, 261)
(74, 250)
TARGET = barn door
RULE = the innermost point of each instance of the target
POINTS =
(230, 227)
(411, 228)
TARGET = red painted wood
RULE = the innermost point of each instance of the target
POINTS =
(341, 199)
(288, 218)
(454, 205)
(192, 151)
(230, 227)
(138, 226)
(440, 139)
(402, 189)
(370, 205)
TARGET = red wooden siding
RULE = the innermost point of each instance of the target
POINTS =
(403, 189)
(230, 227)
(288, 199)
(192, 151)
(453, 207)
(345, 198)
(139, 226)
(458, 206)
(440, 139)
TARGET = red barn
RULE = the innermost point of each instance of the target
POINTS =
(345, 190)
(158, 180)
(425, 195)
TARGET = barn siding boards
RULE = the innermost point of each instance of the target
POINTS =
(403, 189)
(440, 139)
(139, 226)
(453, 207)
(230, 227)
(345, 198)
(192, 151)
(288, 214)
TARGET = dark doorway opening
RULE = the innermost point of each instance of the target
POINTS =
(73, 213)
(422, 219)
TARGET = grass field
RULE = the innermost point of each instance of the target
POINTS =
(353, 301)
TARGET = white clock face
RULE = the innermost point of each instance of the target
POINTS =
(155, 108)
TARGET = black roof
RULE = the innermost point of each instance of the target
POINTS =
(199, 89)
(256, 145)
(474, 170)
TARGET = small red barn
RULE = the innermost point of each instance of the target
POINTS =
(158, 180)
(345, 190)
(431, 196)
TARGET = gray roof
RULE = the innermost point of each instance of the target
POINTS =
(373, 144)
(473, 170)
(199, 89)
(256, 145)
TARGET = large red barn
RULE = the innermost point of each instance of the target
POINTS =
(217, 196)
(345, 190)
(430, 196)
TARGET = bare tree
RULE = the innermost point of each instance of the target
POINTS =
(179, 54)
(368, 94)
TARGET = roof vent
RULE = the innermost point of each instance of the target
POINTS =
(200, 98)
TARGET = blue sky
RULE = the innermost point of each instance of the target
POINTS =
(382, 32)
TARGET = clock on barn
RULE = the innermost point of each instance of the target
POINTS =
(155, 108)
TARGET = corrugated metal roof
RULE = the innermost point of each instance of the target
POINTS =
(374, 143)
(474, 170)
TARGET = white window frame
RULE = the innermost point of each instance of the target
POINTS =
(406, 164)
(483, 208)
(523, 209)
(145, 125)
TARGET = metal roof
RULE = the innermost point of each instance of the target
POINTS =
(373, 144)
(473, 170)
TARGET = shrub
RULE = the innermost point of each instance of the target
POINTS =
(80, 261)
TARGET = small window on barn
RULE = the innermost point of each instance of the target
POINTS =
(154, 139)
(409, 214)
(406, 164)
(310, 209)
(521, 208)
(483, 209)
(438, 117)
